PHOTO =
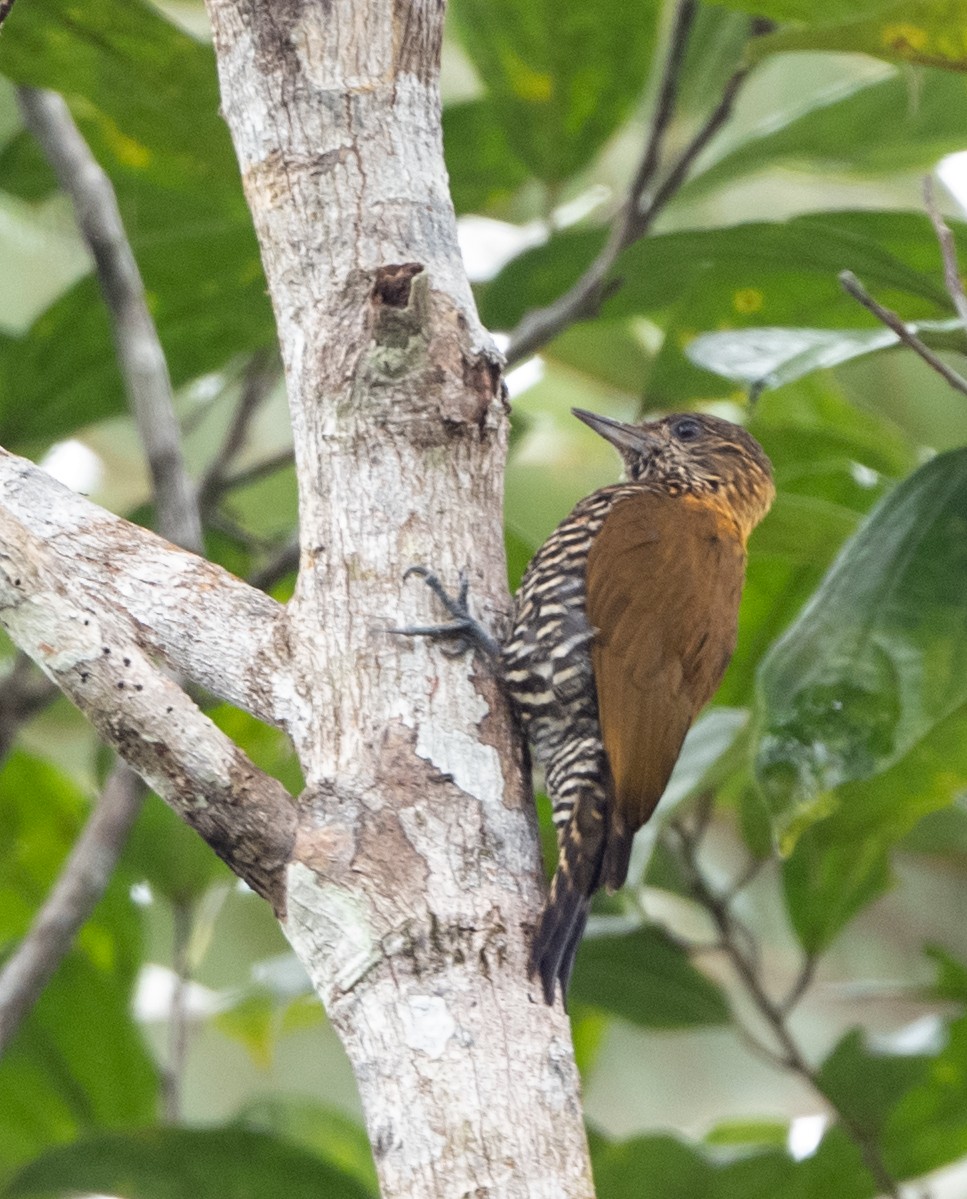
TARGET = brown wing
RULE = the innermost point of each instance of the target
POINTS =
(664, 578)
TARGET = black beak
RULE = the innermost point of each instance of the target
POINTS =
(638, 439)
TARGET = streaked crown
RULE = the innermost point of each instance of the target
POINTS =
(691, 453)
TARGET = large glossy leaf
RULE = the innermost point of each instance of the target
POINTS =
(806, 12)
(927, 1127)
(483, 168)
(767, 358)
(644, 977)
(841, 864)
(878, 658)
(561, 76)
(781, 273)
(178, 1163)
(927, 33)
(77, 1063)
(325, 1131)
(151, 118)
(914, 1106)
(884, 126)
(662, 1167)
(34, 836)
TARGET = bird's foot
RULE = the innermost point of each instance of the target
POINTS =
(466, 632)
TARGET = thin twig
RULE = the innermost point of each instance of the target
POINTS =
(637, 214)
(626, 230)
(174, 1072)
(81, 884)
(259, 470)
(790, 1056)
(257, 382)
(284, 563)
(801, 984)
(853, 287)
(140, 354)
(948, 252)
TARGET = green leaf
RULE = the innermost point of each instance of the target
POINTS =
(927, 1126)
(764, 359)
(653, 1167)
(806, 12)
(644, 977)
(780, 273)
(77, 1063)
(146, 98)
(483, 168)
(885, 126)
(561, 77)
(840, 864)
(170, 856)
(951, 981)
(879, 656)
(178, 1163)
(749, 1132)
(325, 1131)
(927, 33)
(34, 836)
(661, 1167)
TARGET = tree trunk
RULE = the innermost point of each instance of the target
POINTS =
(407, 875)
(414, 878)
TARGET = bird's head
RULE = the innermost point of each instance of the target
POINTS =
(691, 453)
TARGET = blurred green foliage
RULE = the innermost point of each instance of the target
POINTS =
(840, 727)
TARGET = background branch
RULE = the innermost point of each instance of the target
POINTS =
(23, 693)
(140, 355)
(260, 376)
(244, 814)
(216, 630)
(91, 863)
(742, 952)
(638, 213)
(81, 883)
(853, 287)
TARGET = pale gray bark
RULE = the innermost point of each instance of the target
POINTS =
(408, 876)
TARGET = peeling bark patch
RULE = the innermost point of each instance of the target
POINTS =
(427, 1024)
(384, 854)
(328, 850)
(392, 285)
(402, 771)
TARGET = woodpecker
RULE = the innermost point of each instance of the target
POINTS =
(623, 625)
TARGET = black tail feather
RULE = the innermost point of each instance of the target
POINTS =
(595, 848)
(558, 935)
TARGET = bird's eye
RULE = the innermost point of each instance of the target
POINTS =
(687, 429)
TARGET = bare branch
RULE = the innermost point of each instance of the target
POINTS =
(245, 815)
(638, 213)
(140, 354)
(948, 252)
(284, 563)
(259, 470)
(789, 1056)
(206, 624)
(852, 286)
(174, 1071)
(81, 884)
